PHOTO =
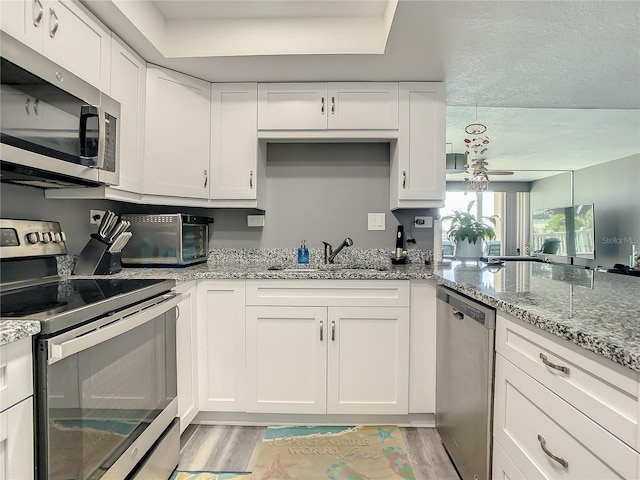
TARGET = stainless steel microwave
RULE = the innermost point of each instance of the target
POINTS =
(166, 240)
(56, 129)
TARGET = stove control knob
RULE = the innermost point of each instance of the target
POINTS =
(56, 237)
(33, 237)
(63, 236)
(46, 237)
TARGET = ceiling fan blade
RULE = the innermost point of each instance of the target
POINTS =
(499, 172)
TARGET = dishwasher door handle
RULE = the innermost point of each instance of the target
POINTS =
(458, 314)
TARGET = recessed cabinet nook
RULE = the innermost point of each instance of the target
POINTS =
(187, 142)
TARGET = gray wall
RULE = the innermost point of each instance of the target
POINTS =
(314, 192)
(614, 188)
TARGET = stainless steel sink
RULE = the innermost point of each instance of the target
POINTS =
(327, 268)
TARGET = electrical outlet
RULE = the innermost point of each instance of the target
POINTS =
(95, 216)
(423, 222)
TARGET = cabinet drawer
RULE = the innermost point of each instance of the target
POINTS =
(502, 467)
(529, 418)
(16, 373)
(330, 293)
(603, 390)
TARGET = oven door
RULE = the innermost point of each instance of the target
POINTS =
(106, 391)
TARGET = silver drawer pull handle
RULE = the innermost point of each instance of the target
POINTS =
(404, 179)
(53, 23)
(544, 359)
(543, 446)
(206, 179)
(321, 330)
(37, 12)
(333, 105)
(333, 331)
(251, 179)
(322, 105)
(26, 106)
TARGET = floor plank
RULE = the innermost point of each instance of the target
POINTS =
(222, 448)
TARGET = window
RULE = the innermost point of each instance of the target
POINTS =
(486, 204)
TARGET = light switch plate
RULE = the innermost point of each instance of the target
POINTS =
(375, 221)
(255, 220)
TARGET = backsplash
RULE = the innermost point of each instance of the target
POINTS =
(288, 256)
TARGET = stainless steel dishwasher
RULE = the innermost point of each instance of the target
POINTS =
(464, 381)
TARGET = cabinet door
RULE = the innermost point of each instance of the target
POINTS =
(292, 106)
(128, 72)
(74, 40)
(221, 345)
(234, 141)
(368, 360)
(363, 106)
(177, 135)
(286, 359)
(418, 156)
(186, 349)
(16, 442)
(23, 20)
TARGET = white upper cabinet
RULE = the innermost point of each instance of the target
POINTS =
(362, 106)
(332, 106)
(64, 32)
(177, 135)
(234, 144)
(128, 81)
(418, 156)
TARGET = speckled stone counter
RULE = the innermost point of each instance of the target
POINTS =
(597, 311)
(13, 330)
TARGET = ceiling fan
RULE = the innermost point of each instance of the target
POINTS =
(457, 163)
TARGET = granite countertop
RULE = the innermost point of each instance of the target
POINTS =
(13, 330)
(595, 310)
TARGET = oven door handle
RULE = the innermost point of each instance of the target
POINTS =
(126, 321)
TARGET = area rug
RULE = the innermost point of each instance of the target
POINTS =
(184, 475)
(333, 453)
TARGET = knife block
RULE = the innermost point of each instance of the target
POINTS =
(96, 260)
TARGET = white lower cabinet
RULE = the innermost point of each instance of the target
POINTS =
(187, 365)
(328, 359)
(16, 411)
(559, 412)
(319, 347)
(221, 345)
(503, 466)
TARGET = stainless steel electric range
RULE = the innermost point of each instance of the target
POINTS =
(104, 361)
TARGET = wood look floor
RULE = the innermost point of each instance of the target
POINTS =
(234, 448)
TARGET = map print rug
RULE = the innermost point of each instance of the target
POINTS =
(333, 453)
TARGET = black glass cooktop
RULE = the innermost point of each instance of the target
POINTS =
(77, 299)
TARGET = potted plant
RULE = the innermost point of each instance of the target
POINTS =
(469, 232)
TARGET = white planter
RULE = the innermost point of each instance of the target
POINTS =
(468, 251)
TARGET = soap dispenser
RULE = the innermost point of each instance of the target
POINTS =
(303, 252)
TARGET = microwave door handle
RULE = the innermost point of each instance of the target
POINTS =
(60, 350)
(97, 160)
(102, 127)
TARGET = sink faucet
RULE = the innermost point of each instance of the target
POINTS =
(330, 254)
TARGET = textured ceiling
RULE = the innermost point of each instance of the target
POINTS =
(521, 63)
